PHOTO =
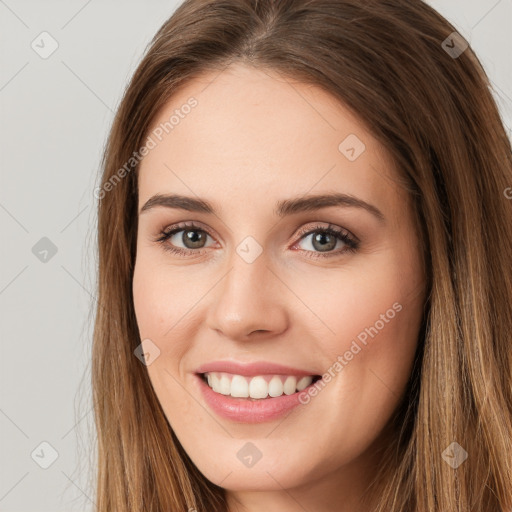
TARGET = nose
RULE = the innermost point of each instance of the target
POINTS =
(249, 302)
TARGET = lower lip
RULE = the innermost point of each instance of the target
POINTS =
(248, 410)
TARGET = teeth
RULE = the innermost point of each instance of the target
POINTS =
(304, 383)
(260, 386)
(239, 387)
(224, 385)
(275, 386)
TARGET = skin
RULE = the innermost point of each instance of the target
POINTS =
(253, 139)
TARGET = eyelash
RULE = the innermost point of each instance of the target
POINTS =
(351, 244)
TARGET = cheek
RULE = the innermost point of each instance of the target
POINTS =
(161, 298)
(370, 317)
(373, 316)
(167, 303)
(165, 315)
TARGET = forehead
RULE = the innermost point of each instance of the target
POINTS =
(255, 132)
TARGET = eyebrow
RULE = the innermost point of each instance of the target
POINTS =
(283, 208)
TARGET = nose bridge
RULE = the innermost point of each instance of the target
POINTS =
(248, 298)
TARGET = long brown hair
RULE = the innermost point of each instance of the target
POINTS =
(398, 66)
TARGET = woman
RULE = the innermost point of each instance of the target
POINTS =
(305, 245)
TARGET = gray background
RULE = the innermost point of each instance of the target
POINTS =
(55, 115)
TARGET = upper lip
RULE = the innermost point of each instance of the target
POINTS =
(250, 369)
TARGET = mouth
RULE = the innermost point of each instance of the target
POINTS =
(256, 387)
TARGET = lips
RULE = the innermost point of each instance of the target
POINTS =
(248, 410)
(252, 405)
(253, 369)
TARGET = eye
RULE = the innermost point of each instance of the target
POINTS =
(190, 235)
(321, 240)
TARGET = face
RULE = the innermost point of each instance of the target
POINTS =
(296, 248)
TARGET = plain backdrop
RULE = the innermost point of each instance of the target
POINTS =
(55, 115)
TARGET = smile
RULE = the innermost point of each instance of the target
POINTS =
(257, 387)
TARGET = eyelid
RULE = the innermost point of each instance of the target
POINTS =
(330, 227)
(192, 225)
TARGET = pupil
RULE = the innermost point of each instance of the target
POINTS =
(320, 237)
(194, 237)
